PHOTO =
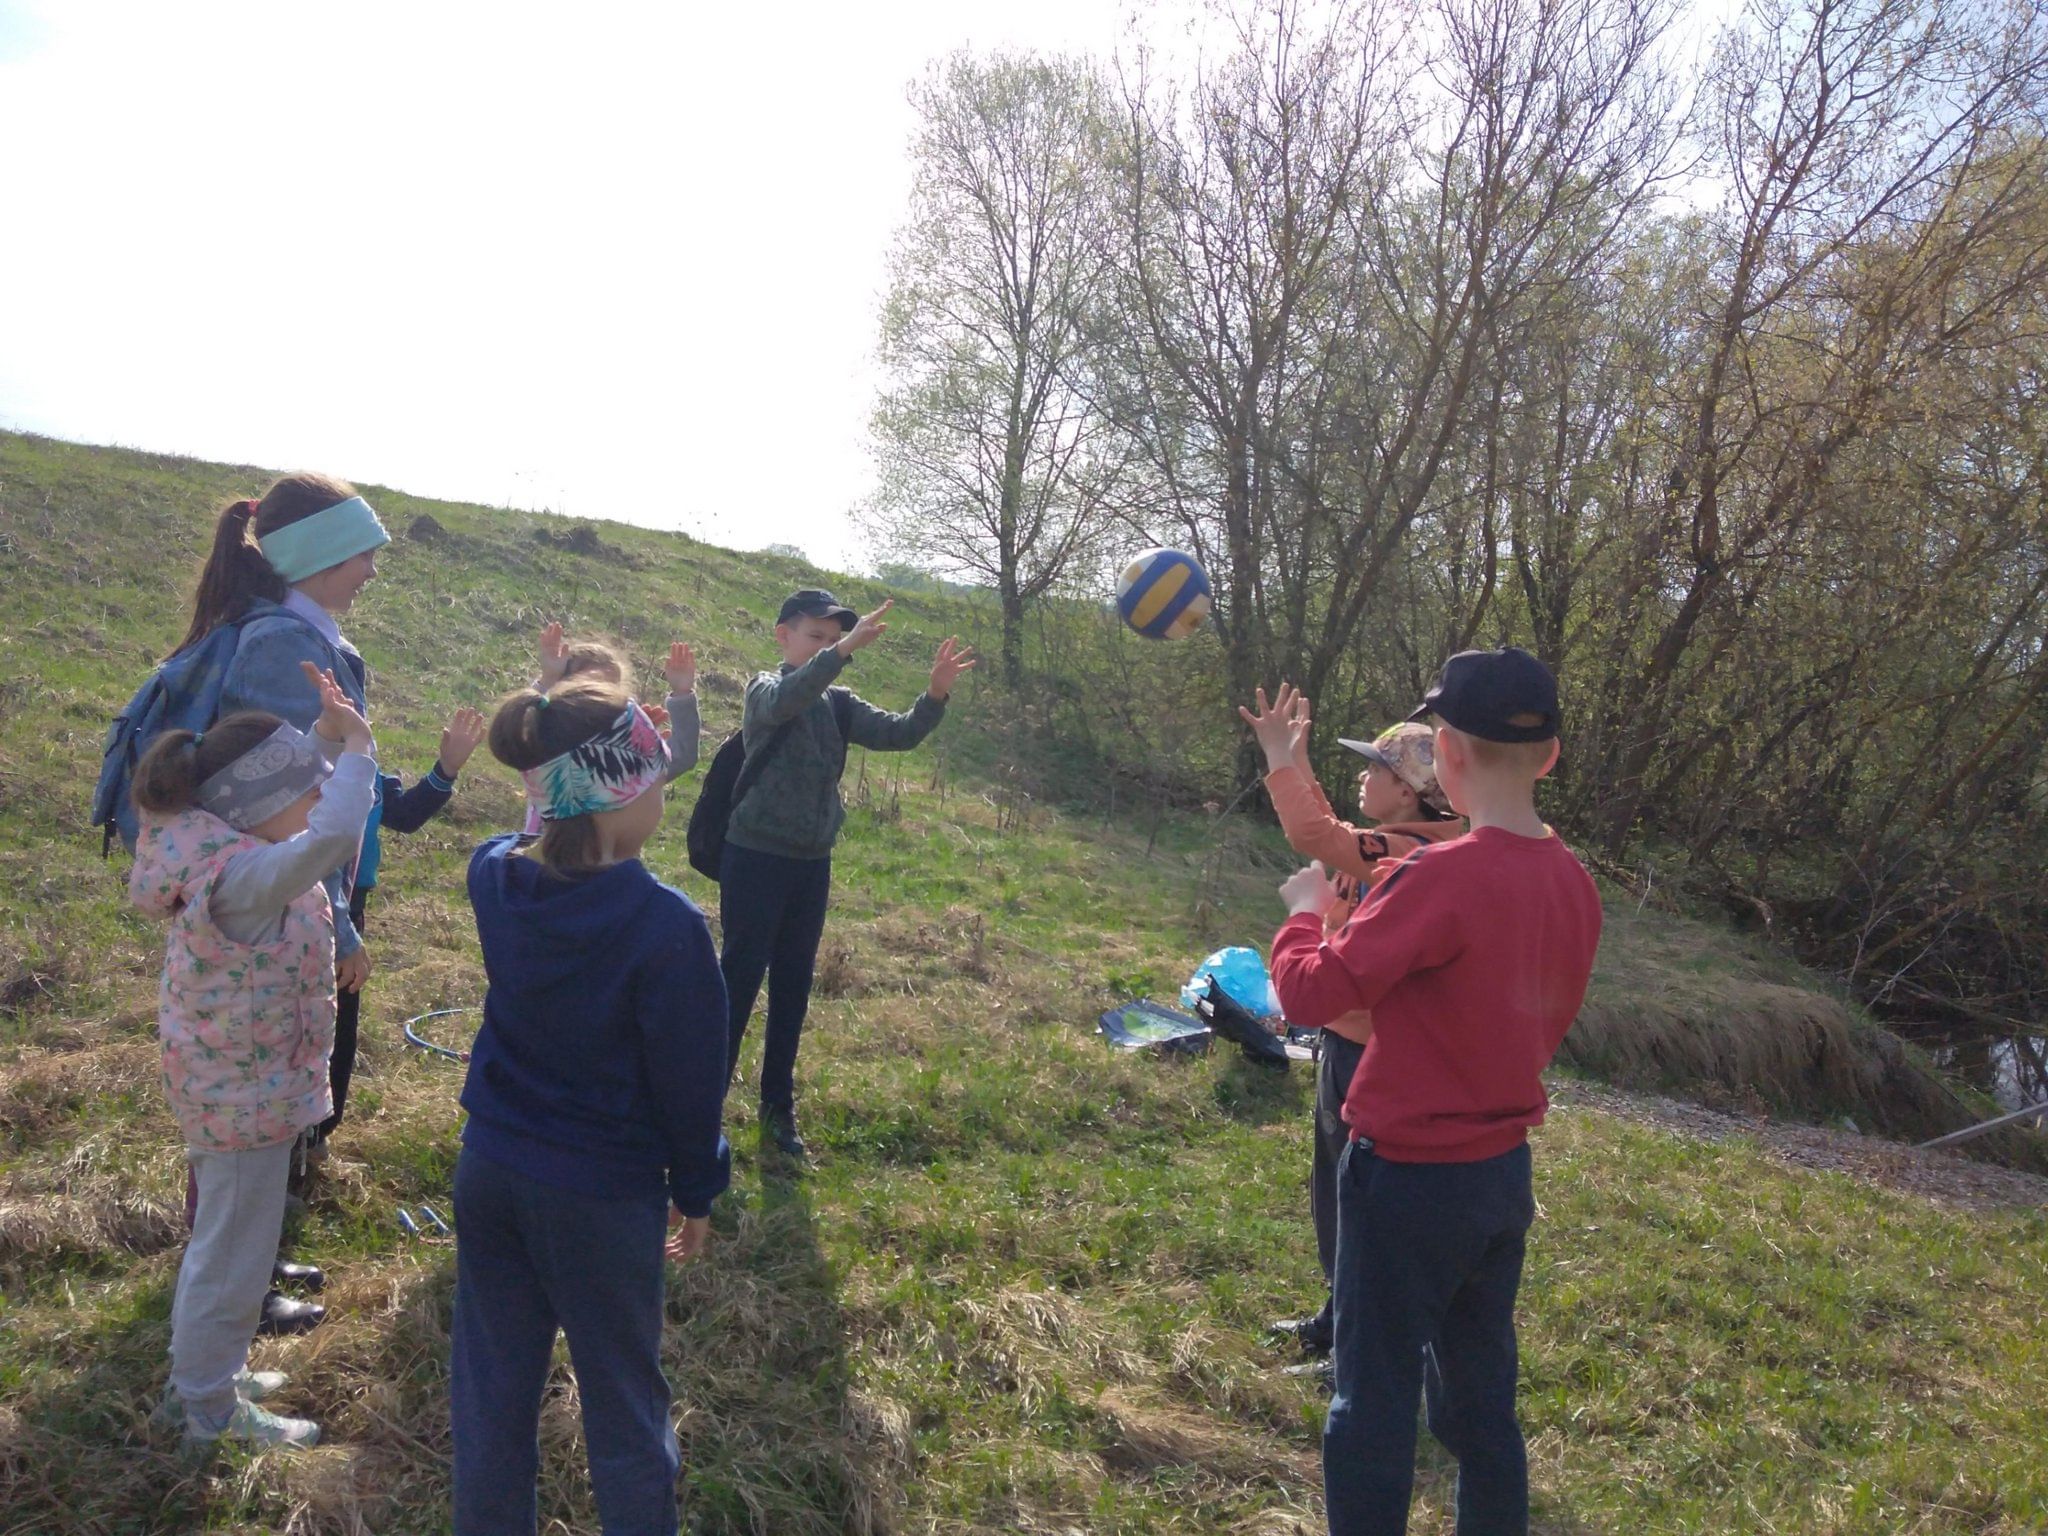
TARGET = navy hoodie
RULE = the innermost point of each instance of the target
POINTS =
(600, 1067)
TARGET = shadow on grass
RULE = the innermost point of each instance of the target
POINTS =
(76, 1452)
(1260, 1095)
(775, 1436)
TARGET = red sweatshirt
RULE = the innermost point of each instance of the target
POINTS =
(1473, 957)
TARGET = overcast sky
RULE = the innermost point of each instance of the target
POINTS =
(619, 260)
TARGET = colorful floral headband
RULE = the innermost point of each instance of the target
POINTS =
(614, 768)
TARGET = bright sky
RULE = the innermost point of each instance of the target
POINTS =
(623, 261)
(620, 260)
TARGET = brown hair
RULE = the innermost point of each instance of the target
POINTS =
(167, 779)
(236, 574)
(531, 727)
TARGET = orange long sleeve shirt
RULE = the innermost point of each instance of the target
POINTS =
(1360, 857)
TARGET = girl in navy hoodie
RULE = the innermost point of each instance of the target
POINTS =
(594, 1096)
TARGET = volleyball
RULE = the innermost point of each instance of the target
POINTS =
(1164, 594)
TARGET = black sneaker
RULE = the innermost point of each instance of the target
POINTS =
(283, 1314)
(1323, 1372)
(778, 1128)
(1311, 1333)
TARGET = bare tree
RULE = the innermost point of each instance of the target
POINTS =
(992, 467)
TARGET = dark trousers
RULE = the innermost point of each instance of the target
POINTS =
(1336, 1062)
(772, 911)
(1429, 1257)
(348, 1012)
(529, 1258)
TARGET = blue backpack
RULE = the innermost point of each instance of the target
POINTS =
(183, 694)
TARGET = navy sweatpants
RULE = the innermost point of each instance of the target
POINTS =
(530, 1258)
(1429, 1257)
(772, 913)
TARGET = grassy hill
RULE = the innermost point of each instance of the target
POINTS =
(1023, 1289)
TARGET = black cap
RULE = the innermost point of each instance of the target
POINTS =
(1481, 693)
(816, 603)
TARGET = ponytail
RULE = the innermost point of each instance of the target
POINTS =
(531, 727)
(167, 779)
(235, 574)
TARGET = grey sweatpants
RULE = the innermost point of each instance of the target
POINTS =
(227, 1266)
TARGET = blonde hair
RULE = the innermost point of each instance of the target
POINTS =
(1528, 758)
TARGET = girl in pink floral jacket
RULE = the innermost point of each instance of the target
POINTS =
(239, 826)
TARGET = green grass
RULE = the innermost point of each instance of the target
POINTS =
(1023, 1288)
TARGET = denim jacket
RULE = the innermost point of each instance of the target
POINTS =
(265, 674)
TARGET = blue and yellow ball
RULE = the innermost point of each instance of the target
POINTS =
(1164, 594)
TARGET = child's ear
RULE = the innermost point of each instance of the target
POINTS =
(1550, 762)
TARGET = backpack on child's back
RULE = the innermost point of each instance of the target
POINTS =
(727, 781)
(182, 694)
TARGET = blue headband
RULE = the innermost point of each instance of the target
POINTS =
(325, 539)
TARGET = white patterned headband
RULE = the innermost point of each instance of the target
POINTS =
(612, 769)
(271, 775)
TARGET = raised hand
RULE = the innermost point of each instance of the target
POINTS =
(339, 720)
(554, 657)
(681, 670)
(464, 732)
(867, 631)
(953, 659)
(1278, 725)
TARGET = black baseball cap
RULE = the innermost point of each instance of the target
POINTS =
(816, 603)
(1482, 692)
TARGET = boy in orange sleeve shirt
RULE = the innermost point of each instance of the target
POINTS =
(1473, 958)
(1404, 808)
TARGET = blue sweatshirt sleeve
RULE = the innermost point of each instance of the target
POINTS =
(407, 810)
(680, 999)
(266, 675)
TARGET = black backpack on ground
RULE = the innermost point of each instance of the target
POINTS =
(733, 772)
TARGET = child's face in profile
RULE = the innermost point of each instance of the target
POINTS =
(1382, 796)
(289, 822)
(804, 636)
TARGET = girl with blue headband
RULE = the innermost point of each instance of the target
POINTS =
(287, 568)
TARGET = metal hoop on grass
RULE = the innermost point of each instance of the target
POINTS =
(415, 1039)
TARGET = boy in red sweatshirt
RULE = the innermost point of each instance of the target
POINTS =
(1473, 958)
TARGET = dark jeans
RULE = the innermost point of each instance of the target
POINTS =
(528, 1258)
(1429, 1257)
(1336, 1062)
(772, 910)
(348, 1012)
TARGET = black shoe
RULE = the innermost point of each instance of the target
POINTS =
(281, 1314)
(779, 1128)
(307, 1277)
(1226, 1017)
(1324, 1371)
(1311, 1333)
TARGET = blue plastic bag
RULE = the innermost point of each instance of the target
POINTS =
(1242, 974)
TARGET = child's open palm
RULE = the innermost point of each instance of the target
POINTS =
(953, 659)
(1279, 725)
(554, 657)
(339, 719)
(464, 733)
(681, 670)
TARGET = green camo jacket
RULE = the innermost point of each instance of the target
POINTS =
(794, 808)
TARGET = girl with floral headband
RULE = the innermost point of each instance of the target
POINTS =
(595, 1095)
(240, 824)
